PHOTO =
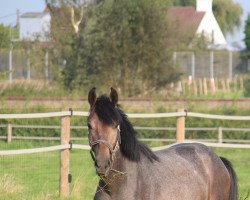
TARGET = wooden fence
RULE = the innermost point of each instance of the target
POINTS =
(200, 87)
(66, 144)
(9, 130)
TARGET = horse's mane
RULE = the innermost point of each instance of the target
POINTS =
(130, 146)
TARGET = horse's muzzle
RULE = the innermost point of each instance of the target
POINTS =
(103, 167)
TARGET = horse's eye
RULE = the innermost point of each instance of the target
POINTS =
(89, 126)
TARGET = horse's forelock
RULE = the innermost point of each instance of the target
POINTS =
(105, 111)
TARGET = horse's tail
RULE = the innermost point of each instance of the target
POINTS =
(233, 179)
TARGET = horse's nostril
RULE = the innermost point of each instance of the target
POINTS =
(107, 165)
(102, 165)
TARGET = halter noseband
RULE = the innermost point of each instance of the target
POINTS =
(112, 149)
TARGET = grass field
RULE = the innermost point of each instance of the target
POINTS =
(36, 176)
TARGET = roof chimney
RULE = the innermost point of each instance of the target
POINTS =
(204, 5)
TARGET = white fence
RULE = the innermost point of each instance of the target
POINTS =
(66, 143)
(203, 64)
(210, 64)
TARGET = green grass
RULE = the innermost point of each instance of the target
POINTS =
(39, 88)
(36, 176)
(240, 159)
(31, 89)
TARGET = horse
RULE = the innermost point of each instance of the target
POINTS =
(129, 170)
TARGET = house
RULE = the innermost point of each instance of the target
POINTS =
(199, 21)
(35, 25)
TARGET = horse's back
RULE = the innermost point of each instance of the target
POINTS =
(193, 171)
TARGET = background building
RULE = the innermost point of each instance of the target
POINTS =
(35, 25)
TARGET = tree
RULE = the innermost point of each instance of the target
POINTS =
(247, 37)
(4, 36)
(66, 18)
(124, 44)
(184, 2)
(246, 55)
(228, 14)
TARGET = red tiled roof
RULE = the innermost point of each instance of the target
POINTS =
(187, 18)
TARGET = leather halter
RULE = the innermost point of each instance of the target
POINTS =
(112, 149)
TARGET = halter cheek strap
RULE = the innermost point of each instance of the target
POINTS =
(112, 149)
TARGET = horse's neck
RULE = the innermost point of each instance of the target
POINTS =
(120, 171)
(121, 179)
(120, 164)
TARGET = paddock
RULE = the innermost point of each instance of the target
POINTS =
(63, 155)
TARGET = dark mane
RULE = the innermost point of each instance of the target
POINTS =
(130, 146)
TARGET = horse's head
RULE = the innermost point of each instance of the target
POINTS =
(104, 130)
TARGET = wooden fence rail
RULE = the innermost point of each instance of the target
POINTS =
(9, 136)
(65, 135)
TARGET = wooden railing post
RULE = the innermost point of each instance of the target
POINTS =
(220, 135)
(9, 133)
(65, 157)
(180, 127)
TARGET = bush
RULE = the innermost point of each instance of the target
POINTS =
(247, 86)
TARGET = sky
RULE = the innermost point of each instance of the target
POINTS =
(239, 35)
(8, 14)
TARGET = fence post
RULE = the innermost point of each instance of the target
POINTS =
(10, 62)
(200, 87)
(205, 86)
(180, 127)
(211, 65)
(212, 86)
(65, 157)
(9, 133)
(46, 67)
(193, 65)
(28, 65)
(220, 135)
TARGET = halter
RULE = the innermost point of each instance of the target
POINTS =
(112, 149)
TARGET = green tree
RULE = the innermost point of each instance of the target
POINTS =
(247, 37)
(228, 14)
(124, 44)
(4, 36)
(184, 2)
(63, 38)
(246, 55)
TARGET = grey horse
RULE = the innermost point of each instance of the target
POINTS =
(129, 170)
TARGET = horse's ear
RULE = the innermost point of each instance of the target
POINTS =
(113, 96)
(92, 97)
